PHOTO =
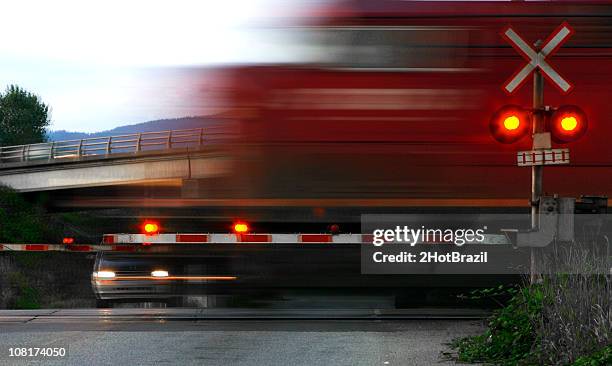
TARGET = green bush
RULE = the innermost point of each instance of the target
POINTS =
(600, 358)
(517, 332)
(510, 338)
(31, 280)
(19, 221)
(28, 299)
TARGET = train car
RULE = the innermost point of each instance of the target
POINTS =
(391, 105)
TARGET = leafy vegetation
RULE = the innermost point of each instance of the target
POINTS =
(600, 358)
(32, 280)
(564, 320)
(24, 118)
(27, 297)
(511, 334)
(20, 221)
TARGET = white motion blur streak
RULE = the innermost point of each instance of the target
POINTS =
(135, 32)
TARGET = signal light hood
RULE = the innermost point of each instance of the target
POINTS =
(510, 123)
(568, 123)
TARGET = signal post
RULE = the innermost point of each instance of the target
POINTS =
(537, 170)
(565, 124)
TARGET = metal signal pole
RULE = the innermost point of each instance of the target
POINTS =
(536, 170)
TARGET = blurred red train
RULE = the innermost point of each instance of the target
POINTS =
(392, 106)
(390, 109)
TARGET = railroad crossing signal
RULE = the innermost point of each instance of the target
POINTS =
(510, 124)
(536, 60)
(567, 124)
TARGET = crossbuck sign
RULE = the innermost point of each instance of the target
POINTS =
(537, 59)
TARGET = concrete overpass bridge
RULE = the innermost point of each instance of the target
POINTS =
(188, 178)
(166, 156)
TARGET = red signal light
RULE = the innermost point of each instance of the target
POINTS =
(150, 228)
(241, 227)
(510, 124)
(68, 240)
(567, 124)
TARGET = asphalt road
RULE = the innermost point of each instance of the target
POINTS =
(236, 337)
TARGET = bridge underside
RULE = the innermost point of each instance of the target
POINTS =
(173, 168)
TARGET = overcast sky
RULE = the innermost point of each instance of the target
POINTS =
(99, 63)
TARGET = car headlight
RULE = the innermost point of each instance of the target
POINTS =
(159, 273)
(104, 274)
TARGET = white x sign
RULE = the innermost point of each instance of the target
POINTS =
(537, 60)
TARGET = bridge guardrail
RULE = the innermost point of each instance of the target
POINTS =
(105, 146)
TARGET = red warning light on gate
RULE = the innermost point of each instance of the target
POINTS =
(567, 124)
(510, 124)
(241, 227)
(150, 228)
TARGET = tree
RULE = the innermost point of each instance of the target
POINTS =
(24, 118)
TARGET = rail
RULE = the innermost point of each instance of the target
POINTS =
(104, 146)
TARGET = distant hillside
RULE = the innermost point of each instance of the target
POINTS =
(157, 125)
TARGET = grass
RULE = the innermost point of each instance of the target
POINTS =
(20, 221)
(566, 319)
(510, 335)
(602, 357)
(29, 298)
(31, 280)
